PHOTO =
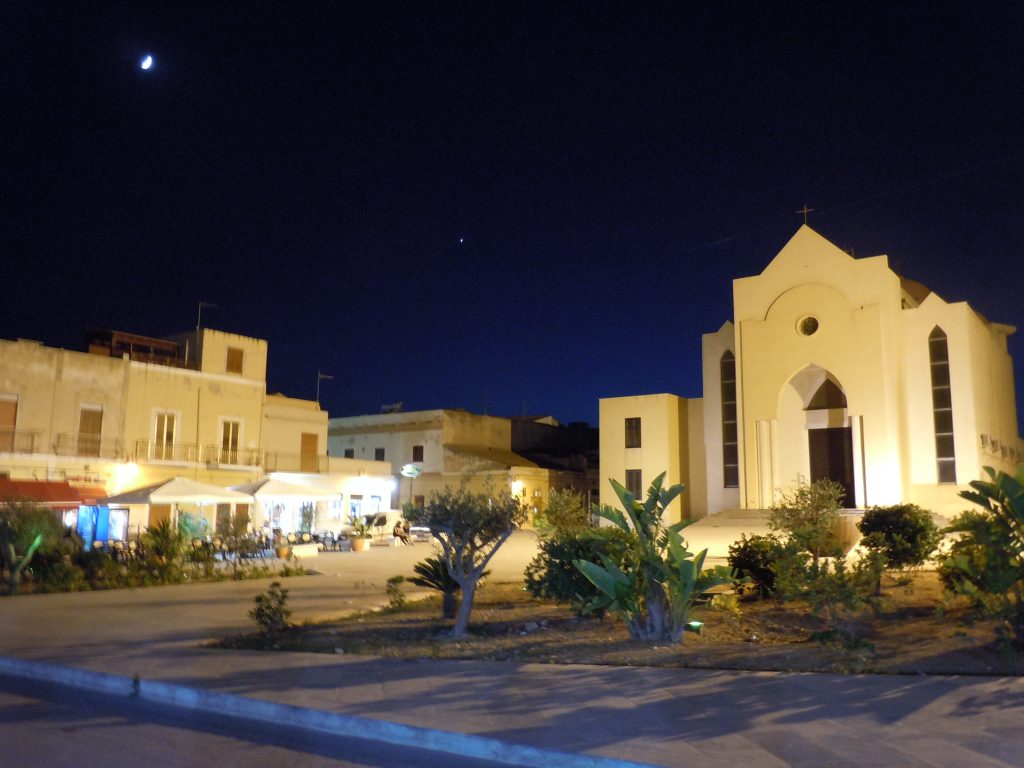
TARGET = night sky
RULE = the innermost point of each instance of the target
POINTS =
(518, 207)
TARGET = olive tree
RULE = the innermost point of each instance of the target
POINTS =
(808, 515)
(469, 527)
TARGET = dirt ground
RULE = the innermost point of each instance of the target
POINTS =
(906, 632)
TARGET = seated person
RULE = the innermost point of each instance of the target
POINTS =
(401, 532)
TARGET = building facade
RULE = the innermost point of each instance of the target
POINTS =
(449, 448)
(838, 368)
(133, 411)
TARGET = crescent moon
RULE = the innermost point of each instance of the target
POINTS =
(147, 62)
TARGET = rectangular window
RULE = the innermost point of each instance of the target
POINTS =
(378, 454)
(350, 453)
(90, 427)
(635, 483)
(229, 442)
(633, 433)
(8, 419)
(234, 361)
(417, 453)
(163, 440)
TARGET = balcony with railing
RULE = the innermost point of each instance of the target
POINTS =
(294, 462)
(231, 457)
(20, 440)
(87, 444)
(154, 450)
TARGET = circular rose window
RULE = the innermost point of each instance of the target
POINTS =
(807, 325)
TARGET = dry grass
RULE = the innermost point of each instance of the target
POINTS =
(903, 634)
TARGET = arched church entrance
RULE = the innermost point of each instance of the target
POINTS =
(829, 440)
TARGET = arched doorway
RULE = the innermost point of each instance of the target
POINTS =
(830, 446)
(817, 407)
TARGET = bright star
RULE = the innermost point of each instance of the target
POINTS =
(146, 62)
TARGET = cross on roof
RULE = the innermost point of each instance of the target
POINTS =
(805, 210)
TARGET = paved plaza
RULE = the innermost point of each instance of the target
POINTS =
(654, 716)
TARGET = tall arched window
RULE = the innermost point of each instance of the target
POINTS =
(730, 447)
(942, 406)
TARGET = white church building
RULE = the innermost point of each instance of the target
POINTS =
(832, 367)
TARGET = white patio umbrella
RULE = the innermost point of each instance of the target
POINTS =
(270, 488)
(180, 490)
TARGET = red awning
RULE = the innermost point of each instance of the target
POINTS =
(59, 495)
(91, 494)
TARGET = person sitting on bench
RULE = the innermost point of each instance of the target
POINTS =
(401, 532)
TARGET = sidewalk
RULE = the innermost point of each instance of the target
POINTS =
(660, 717)
(666, 717)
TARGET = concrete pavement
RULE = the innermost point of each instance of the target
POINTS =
(656, 716)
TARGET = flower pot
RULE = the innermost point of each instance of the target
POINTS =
(360, 544)
(283, 551)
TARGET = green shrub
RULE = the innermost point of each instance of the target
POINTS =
(904, 533)
(552, 574)
(25, 529)
(754, 558)
(564, 512)
(271, 611)
(985, 562)
(396, 597)
(809, 516)
(53, 571)
(100, 569)
(164, 547)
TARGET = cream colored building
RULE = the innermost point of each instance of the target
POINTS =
(133, 411)
(448, 448)
(833, 367)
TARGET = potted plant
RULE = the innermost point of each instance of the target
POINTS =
(360, 533)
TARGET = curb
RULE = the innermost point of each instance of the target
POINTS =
(352, 726)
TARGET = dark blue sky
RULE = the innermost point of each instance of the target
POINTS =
(528, 205)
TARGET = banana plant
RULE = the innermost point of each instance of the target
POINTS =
(654, 589)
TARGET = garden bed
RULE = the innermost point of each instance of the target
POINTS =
(906, 632)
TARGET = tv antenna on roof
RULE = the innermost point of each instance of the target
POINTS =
(321, 377)
(199, 315)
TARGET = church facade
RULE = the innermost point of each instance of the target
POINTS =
(832, 367)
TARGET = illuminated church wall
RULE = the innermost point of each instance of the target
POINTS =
(845, 370)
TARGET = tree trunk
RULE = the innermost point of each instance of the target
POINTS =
(462, 620)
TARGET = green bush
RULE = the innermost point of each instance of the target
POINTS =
(25, 529)
(552, 574)
(986, 562)
(100, 569)
(164, 547)
(271, 611)
(564, 512)
(754, 558)
(809, 516)
(53, 571)
(396, 597)
(904, 533)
